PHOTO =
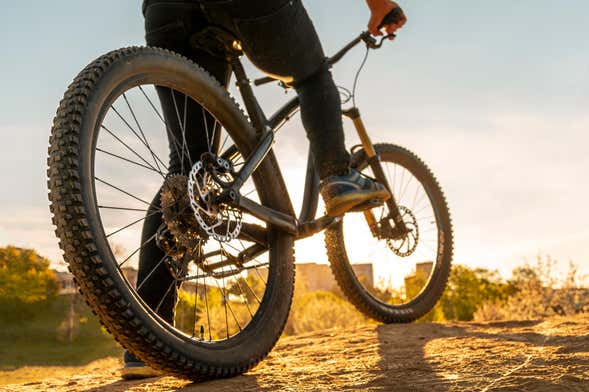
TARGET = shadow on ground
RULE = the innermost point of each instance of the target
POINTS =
(550, 355)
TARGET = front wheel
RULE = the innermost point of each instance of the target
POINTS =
(394, 277)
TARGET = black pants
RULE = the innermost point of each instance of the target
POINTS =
(279, 38)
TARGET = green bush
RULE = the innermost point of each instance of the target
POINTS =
(25, 279)
(318, 310)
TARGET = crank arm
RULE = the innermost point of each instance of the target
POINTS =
(238, 261)
(222, 274)
(307, 229)
(228, 273)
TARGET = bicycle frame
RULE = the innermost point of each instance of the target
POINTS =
(306, 224)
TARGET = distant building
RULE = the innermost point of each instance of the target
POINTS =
(65, 283)
(422, 273)
(318, 277)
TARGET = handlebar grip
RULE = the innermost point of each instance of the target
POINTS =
(392, 17)
(264, 80)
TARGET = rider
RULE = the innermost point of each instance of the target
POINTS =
(279, 38)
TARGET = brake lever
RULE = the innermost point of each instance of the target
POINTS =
(374, 43)
(388, 36)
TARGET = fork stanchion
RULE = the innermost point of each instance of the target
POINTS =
(374, 162)
(354, 115)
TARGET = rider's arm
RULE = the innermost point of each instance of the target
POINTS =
(378, 10)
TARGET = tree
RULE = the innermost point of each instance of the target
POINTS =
(468, 289)
(25, 278)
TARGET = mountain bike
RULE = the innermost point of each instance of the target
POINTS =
(226, 225)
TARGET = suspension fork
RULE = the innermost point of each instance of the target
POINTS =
(374, 162)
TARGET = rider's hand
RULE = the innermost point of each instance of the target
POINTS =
(379, 9)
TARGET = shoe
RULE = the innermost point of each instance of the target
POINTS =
(343, 193)
(135, 369)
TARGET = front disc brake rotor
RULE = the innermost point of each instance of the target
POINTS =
(406, 244)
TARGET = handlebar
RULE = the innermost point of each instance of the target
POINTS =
(370, 41)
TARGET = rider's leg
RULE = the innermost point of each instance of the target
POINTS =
(321, 116)
(279, 37)
(169, 25)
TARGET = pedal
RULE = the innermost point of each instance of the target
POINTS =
(367, 205)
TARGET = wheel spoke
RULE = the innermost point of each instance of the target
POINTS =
(151, 272)
(136, 250)
(421, 209)
(405, 188)
(204, 119)
(227, 304)
(133, 132)
(401, 182)
(207, 306)
(259, 263)
(121, 190)
(130, 149)
(415, 197)
(182, 129)
(122, 208)
(159, 305)
(169, 132)
(152, 105)
(131, 224)
(144, 140)
(195, 307)
(251, 291)
(127, 160)
(224, 140)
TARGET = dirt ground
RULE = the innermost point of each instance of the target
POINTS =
(550, 355)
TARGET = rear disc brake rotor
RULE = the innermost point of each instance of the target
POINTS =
(220, 221)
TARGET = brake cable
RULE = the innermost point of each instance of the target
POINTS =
(371, 43)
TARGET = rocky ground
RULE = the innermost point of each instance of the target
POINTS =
(550, 355)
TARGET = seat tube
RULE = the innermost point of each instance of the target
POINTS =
(251, 104)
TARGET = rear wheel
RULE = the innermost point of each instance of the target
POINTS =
(118, 161)
(389, 276)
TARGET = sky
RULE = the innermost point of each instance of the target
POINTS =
(492, 95)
